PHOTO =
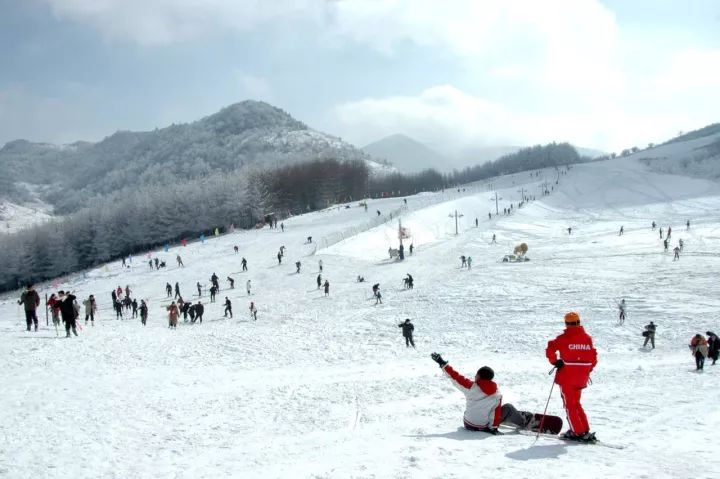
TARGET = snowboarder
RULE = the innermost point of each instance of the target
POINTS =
(143, 312)
(134, 308)
(244, 264)
(177, 290)
(247, 286)
(228, 307)
(199, 288)
(90, 309)
(699, 349)
(463, 261)
(713, 346)
(172, 315)
(407, 332)
(622, 229)
(577, 358)
(676, 250)
(68, 311)
(199, 310)
(320, 265)
(30, 300)
(319, 281)
(179, 261)
(621, 308)
(649, 334)
(297, 266)
(253, 311)
(469, 262)
(232, 282)
(484, 410)
(327, 288)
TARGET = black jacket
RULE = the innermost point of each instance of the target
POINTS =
(67, 309)
(407, 328)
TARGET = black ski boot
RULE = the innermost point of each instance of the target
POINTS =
(588, 437)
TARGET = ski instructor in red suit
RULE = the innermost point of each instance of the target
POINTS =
(577, 358)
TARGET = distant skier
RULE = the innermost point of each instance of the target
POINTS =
(172, 315)
(665, 244)
(669, 233)
(649, 334)
(228, 307)
(661, 232)
(157, 263)
(90, 309)
(713, 346)
(378, 212)
(279, 257)
(407, 332)
(681, 244)
(150, 263)
(699, 349)
(247, 286)
(570, 230)
(236, 249)
(213, 292)
(30, 300)
(409, 281)
(327, 288)
(54, 306)
(68, 311)
(412, 247)
(688, 227)
(577, 358)
(253, 311)
(215, 281)
(489, 216)
(186, 309)
(127, 291)
(177, 290)
(484, 410)
(232, 282)
(282, 227)
(244, 264)
(469, 262)
(123, 262)
(320, 265)
(654, 225)
(309, 240)
(179, 261)
(297, 266)
(143, 312)
(319, 281)
(463, 261)
(118, 309)
(621, 308)
(476, 223)
(494, 239)
(360, 279)
(622, 229)
(199, 289)
(676, 250)
(199, 310)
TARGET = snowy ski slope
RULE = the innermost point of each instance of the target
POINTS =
(325, 388)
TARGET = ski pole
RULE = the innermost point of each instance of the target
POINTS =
(542, 420)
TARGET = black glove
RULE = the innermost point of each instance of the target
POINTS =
(559, 364)
(438, 359)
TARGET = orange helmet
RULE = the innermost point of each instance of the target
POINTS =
(572, 319)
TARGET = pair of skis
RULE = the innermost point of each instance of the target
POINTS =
(526, 432)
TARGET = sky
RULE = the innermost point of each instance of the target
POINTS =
(454, 74)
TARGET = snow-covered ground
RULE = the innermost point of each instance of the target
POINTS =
(324, 387)
(14, 218)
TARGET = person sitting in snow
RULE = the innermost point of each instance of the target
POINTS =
(484, 410)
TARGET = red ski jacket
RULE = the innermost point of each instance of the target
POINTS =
(577, 351)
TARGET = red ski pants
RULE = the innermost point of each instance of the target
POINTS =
(575, 413)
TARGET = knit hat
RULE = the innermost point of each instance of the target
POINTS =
(572, 319)
(486, 372)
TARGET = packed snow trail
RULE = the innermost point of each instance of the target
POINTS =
(324, 387)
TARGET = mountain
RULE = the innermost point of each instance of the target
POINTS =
(243, 135)
(406, 154)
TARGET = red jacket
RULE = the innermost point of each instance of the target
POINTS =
(576, 349)
(482, 400)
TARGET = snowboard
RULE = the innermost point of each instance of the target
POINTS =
(550, 425)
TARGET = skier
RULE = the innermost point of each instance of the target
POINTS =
(319, 281)
(665, 244)
(279, 257)
(699, 348)
(213, 291)
(236, 249)
(157, 263)
(123, 261)
(407, 332)
(409, 281)
(185, 310)
(688, 227)
(621, 307)
(376, 291)
(30, 300)
(215, 281)
(654, 225)
(90, 309)
(681, 244)
(297, 265)
(244, 264)
(172, 315)
(622, 229)
(52, 303)
(232, 282)
(150, 263)
(127, 291)
(669, 232)
(476, 222)
(199, 288)
(119, 292)
(177, 290)
(493, 239)
(118, 309)
(469, 262)
(68, 311)
(134, 308)
(247, 286)
(676, 250)
(661, 232)
(309, 240)
(577, 359)
(179, 261)
(228, 307)
(282, 227)
(191, 312)
(463, 261)
(649, 334)
(713, 346)
(199, 310)
(320, 265)
(143, 312)
(484, 410)
(570, 230)
(327, 288)
(412, 247)
(253, 311)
